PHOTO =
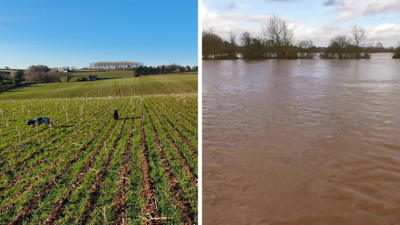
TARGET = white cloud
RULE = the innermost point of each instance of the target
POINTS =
(3, 28)
(388, 33)
(351, 9)
(229, 7)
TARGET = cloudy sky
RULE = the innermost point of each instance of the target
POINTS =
(318, 20)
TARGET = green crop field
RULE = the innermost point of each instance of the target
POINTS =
(105, 74)
(151, 85)
(110, 74)
(91, 169)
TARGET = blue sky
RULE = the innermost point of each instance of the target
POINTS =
(318, 20)
(75, 33)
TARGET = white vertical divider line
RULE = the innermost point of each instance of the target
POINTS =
(200, 111)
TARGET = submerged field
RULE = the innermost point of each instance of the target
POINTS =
(91, 169)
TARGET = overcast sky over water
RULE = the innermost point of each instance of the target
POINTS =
(316, 20)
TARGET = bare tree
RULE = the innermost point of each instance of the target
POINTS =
(379, 45)
(212, 44)
(397, 51)
(337, 47)
(305, 48)
(115, 65)
(245, 39)
(232, 38)
(358, 39)
(232, 46)
(278, 33)
(358, 35)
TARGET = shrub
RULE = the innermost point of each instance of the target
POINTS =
(43, 77)
(16, 82)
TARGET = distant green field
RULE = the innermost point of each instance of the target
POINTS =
(105, 74)
(151, 85)
(109, 74)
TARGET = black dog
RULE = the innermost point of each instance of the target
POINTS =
(40, 120)
(115, 115)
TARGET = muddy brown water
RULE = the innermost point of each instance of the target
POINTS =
(301, 142)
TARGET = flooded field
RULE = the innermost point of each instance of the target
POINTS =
(301, 142)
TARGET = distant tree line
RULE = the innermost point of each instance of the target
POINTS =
(277, 42)
(34, 74)
(41, 74)
(397, 51)
(115, 65)
(163, 69)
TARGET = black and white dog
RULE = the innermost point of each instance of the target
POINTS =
(40, 120)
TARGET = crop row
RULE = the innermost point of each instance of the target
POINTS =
(141, 86)
(91, 169)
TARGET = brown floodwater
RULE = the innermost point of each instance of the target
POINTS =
(301, 142)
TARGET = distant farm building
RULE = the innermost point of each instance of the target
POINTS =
(63, 70)
(92, 77)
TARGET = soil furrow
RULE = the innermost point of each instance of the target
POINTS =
(31, 141)
(183, 125)
(184, 106)
(183, 137)
(16, 179)
(11, 142)
(95, 192)
(119, 204)
(29, 185)
(174, 188)
(193, 178)
(27, 210)
(189, 114)
(54, 215)
(186, 119)
(151, 207)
